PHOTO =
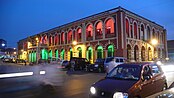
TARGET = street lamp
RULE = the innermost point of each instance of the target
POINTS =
(74, 43)
(154, 42)
(3, 44)
(37, 54)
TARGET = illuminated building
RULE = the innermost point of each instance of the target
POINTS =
(116, 32)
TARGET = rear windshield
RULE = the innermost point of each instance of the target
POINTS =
(108, 60)
(121, 60)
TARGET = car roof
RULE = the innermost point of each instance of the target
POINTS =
(115, 57)
(137, 63)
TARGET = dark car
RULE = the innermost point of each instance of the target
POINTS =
(78, 63)
(65, 64)
(98, 66)
(133, 80)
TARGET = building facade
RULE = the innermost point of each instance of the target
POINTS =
(116, 32)
(170, 47)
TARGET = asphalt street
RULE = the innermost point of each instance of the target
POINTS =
(55, 83)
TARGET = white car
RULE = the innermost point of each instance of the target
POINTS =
(118, 60)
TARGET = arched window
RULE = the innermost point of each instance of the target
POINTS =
(79, 35)
(50, 41)
(56, 40)
(53, 40)
(153, 33)
(59, 39)
(44, 41)
(148, 33)
(98, 28)
(142, 32)
(62, 37)
(70, 36)
(127, 28)
(109, 29)
(135, 30)
(89, 32)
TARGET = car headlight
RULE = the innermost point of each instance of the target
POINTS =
(120, 95)
(96, 65)
(92, 90)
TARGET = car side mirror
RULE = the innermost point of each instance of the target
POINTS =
(146, 77)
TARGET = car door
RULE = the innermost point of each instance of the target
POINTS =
(159, 78)
(147, 85)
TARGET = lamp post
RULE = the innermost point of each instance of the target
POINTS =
(74, 51)
(154, 42)
(37, 51)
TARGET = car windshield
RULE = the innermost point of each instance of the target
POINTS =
(125, 72)
(99, 61)
(65, 61)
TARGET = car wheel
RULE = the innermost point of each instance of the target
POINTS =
(164, 87)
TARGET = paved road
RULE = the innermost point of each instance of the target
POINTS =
(54, 84)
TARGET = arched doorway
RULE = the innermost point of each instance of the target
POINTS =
(80, 51)
(56, 54)
(89, 54)
(128, 52)
(110, 50)
(71, 53)
(136, 53)
(149, 54)
(44, 54)
(159, 53)
(99, 52)
(34, 56)
(50, 54)
(62, 54)
(143, 53)
(29, 57)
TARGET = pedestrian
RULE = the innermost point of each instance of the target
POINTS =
(25, 61)
(111, 64)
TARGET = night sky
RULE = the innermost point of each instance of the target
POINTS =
(22, 18)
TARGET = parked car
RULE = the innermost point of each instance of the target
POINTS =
(20, 61)
(118, 60)
(77, 63)
(169, 93)
(9, 60)
(130, 80)
(98, 66)
(65, 64)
